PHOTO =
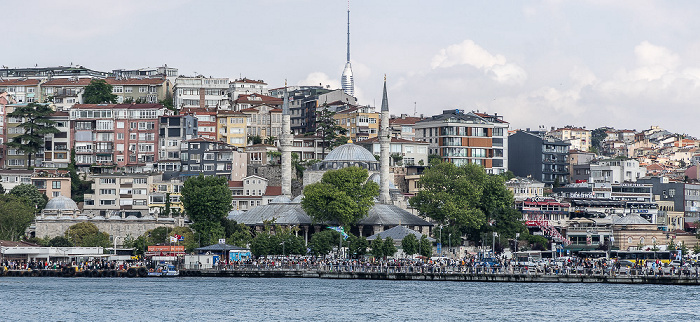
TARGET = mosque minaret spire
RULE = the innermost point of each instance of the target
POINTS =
(286, 147)
(384, 146)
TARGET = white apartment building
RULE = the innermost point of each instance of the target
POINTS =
(244, 86)
(195, 92)
(616, 171)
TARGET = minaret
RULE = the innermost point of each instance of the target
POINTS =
(346, 80)
(286, 147)
(384, 146)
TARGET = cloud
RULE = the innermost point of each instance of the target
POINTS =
(469, 53)
(319, 78)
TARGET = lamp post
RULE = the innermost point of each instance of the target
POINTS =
(440, 243)
(449, 238)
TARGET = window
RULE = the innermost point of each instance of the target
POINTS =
(143, 89)
(107, 181)
(55, 184)
(118, 89)
(104, 202)
(108, 191)
(56, 194)
(139, 180)
(105, 125)
(128, 89)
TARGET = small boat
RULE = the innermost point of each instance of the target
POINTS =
(163, 270)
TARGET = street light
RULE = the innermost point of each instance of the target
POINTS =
(450, 243)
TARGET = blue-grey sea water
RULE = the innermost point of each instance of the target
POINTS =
(290, 299)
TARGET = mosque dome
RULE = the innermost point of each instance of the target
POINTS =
(350, 152)
(61, 203)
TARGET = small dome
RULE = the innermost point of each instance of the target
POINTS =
(61, 203)
(350, 152)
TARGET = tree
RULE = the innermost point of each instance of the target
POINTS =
(270, 140)
(86, 234)
(2, 189)
(256, 139)
(78, 186)
(263, 244)
(236, 234)
(389, 247)
(357, 246)
(322, 243)
(99, 92)
(31, 194)
(36, 125)
(343, 196)
(409, 244)
(597, 137)
(425, 248)
(397, 157)
(16, 214)
(332, 134)
(59, 241)
(434, 159)
(207, 201)
(377, 248)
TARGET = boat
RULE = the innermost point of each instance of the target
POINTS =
(163, 270)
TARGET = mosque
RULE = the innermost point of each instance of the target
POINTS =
(385, 213)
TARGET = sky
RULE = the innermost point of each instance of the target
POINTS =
(629, 64)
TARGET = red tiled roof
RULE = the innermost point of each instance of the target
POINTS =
(235, 184)
(68, 82)
(200, 110)
(19, 82)
(60, 113)
(245, 98)
(407, 120)
(273, 191)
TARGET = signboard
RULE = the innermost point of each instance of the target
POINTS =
(439, 248)
(166, 248)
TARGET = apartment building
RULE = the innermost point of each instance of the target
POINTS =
(22, 90)
(538, 156)
(211, 158)
(201, 92)
(64, 92)
(57, 146)
(206, 120)
(244, 101)
(309, 147)
(252, 191)
(161, 191)
(403, 126)
(245, 86)
(462, 138)
(361, 122)
(141, 90)
(231, 128)
(616, 171)
(263, 120)
(578, 138)
(118, 195)
(172, 131)
(111, 136)
(403, 152)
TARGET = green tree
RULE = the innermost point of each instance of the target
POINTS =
(538, 242)
(256, 139)
(16, 214)
(696, 249)
(263, 244)
(343, 196)
(2, 189)
(86, 234)
(236, 234)
(187, 234)
(322, 243)
(425, 248)
(389, 247)
(357, 245)
(99, 92)
(167, 102)
(78, 186)
(59, 241)
(671, 245)
(409, 244)
(36, 125)
(397, 158)
(31, 194)
(207, 201)
(597, 137)
(377, 248)
(332, 134)
(434, 159)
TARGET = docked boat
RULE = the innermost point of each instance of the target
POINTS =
(164, 270)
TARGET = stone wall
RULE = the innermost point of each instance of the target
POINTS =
(130, 226)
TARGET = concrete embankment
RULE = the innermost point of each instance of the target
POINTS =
(456, 277)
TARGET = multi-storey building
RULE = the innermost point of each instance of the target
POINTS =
(22, 90)
(51, 72)
(579, 165)
(402, 127)
(309, 147)
(231, 128)
(306, 102)
(50, 182)
(57, 146)
(141, 90)
(118, 195)
(403, 152)
(211, 158)
(201, 92)
(245, 101)
(616, 171)
(206, 120)
(245, 86)
(169, 72)
(361, 122)
(578, 138)
(535, 155)
(64, 92)
(252, 191)
(110, 136)
(685, 196)
(173, 130)
(14, 159)
(524, 188)
(161, 191)
(263, 120)
(463, 138)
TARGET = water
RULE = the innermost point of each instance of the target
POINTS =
(263, 299)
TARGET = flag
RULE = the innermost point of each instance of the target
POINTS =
(180, 238)
(341, 230)
(173, 239)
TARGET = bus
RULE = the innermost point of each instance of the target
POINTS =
(641, 257)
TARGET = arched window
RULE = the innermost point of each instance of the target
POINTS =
(653, 240)
(630, 240)
(641, 240)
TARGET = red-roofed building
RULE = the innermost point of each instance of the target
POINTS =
(263, 120)
(22, 90)
(402, 126)
(245, 101)
(252, 191)
(245, 86)
(141, 90)
(206, 120)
